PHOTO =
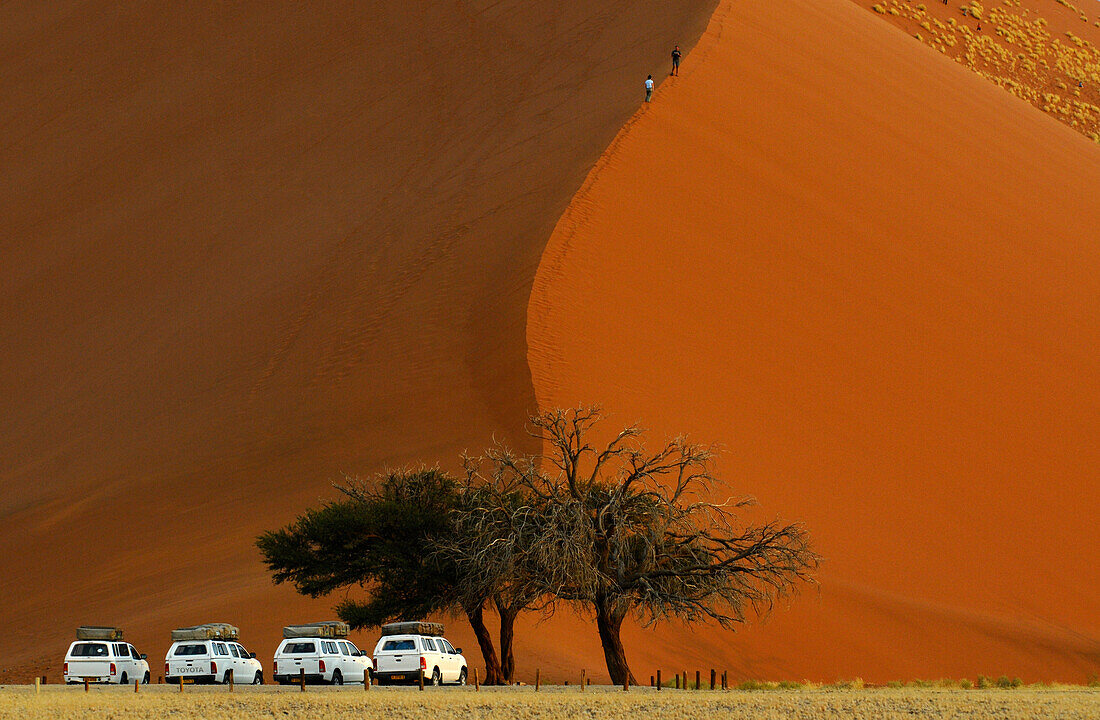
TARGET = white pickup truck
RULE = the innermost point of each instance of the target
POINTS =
(407, 649)
(210, 654)
(99, 655)
(319, 653)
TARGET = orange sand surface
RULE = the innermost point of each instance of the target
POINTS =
(874, 277)
(249, 246)
(1041, 51)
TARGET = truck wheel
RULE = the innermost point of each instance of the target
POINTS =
(462, 677)
(123, 680)
(258, 679)
(145, 680)
(437, 678)
(337, 677)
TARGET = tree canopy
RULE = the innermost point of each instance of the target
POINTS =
(611, 527)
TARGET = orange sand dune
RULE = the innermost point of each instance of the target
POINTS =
(249, 246)
(874, 277)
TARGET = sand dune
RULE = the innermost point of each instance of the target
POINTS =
(873, 276)
(250, 246)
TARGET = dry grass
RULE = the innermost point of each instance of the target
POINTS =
(552, 702)
(1015, 50)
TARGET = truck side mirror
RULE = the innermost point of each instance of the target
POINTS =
(252, 656)
(458, 651)
(144, 656)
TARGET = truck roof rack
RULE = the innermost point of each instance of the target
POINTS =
(98, 632)
(208, 631)
(328, 629)
(417, 627)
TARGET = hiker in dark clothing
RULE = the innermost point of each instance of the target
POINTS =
(676, 55)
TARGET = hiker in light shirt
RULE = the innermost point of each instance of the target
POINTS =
(648, 88)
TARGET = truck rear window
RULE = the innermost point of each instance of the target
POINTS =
(399, 645)
(89, 650)
(299, 648)
(190, 650)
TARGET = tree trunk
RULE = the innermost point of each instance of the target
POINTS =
(493, 674)
(507, 633)
(609, 621)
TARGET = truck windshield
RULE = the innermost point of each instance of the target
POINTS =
(399, 645)
(89, 650)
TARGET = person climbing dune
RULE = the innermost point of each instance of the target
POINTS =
(676, 55)
(648, 88)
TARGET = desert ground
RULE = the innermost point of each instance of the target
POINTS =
(251, 247)
(558, 703)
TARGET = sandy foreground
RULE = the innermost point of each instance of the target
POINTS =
(551, 702)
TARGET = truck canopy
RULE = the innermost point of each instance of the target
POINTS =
(418, 627)
(208, 631)
(98, 632)
(328, 629)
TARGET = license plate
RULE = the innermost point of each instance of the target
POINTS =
(397, 677)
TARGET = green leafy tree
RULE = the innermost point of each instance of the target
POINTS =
(386, 538)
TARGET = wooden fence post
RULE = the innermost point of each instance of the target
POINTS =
(685, 680)
(37, 682)
(302, 679)
(85, 684)
(626, 682)
(232, 680)
(712, 678)
(181, 683)
(366, 680)
(421, 678)
(658, 680)
(477, 681)
(538, 678)
(583, 683)
(677, 681)
(697, 680)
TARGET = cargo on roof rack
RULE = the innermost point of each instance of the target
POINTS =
(98, 632)
(418, 627)
(329, 629)
(209, 631)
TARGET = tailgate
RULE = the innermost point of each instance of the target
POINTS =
(293, 665)
(398, 661)
(188, 667)
(98, 668)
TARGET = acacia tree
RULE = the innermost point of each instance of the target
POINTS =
(493, 535)
(623, 530)
(386, 538)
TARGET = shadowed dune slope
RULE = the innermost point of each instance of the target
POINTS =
(874, 277)
(249, 246)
